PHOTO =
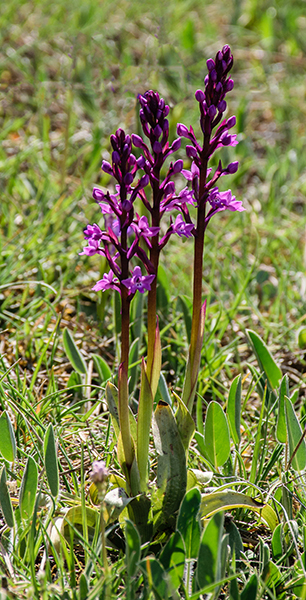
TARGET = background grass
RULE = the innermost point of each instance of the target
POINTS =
(69, 76)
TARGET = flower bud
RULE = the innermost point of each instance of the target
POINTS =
(99, 473)
(182, 130)
(141, 162)
(137, 141)
(232, 167)
(212, 111)
(222, 106)
(98, 195)
(106, 167)
(157, 131)
(144, 181)
(229, 84)
(116, 157)
(199, 96)
(178, 165)
(231, 122)
(210, 64)
(128, 178)
(176, 145)
(191, 152)
(157, 148)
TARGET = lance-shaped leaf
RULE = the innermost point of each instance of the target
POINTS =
(264, 358)
(28, 489)
(7, 438)
(281, 428)
(188, 523)
(73, 353)
(216, 435)
(209, 559)
(102, 368)
(185, 422)
(156, 577)
(154, 374)
(297, 446)
(172, 559)
(228, 500)
(5, 500)
(171, 469)
(193, 364)
(234, 409)
(145, 407)
(132, 541)
(50, 457)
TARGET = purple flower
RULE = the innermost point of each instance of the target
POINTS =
(220, 201)
(92, 248)
(93, 232)
(142, 228)
(182, 228)
(108, 282)
(138, 281)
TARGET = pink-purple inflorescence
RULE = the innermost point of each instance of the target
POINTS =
(127, 236)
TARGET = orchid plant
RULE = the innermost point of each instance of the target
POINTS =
(131, 245)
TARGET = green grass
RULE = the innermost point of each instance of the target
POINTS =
(69, 76)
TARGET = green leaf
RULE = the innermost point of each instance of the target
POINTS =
(172, 558)
(7, 438)
(145, 407)
(5, 500)
(277, 542)
(249, 592)
(156, 577)
(209, 558)
(73, 353)
(28, 489)
(216, 435)
(228, 500)
(171, 468)
(281, 429)
(185, 422)
(132, 555)
(163, 389)
(264, 358)
(102, 368)
(234, 409)
(50, 458)
(188, 522)
(83, 587)
(294, 432)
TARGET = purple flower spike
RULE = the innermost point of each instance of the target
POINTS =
(108, 282)
(138, 282)
(182, 228)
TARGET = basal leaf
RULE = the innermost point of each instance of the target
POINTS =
(73, 353)
(209, 558)
(234, 409)
(216, 435)
(102, 368)
(188, 523)
(5, 500)
(297, 446)
(229, 499)
(7, 438)
(50, 458)
(28, 489)
(281, 428)
(172, 558)
(171, 470)
(264, 358)
(132, 540)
